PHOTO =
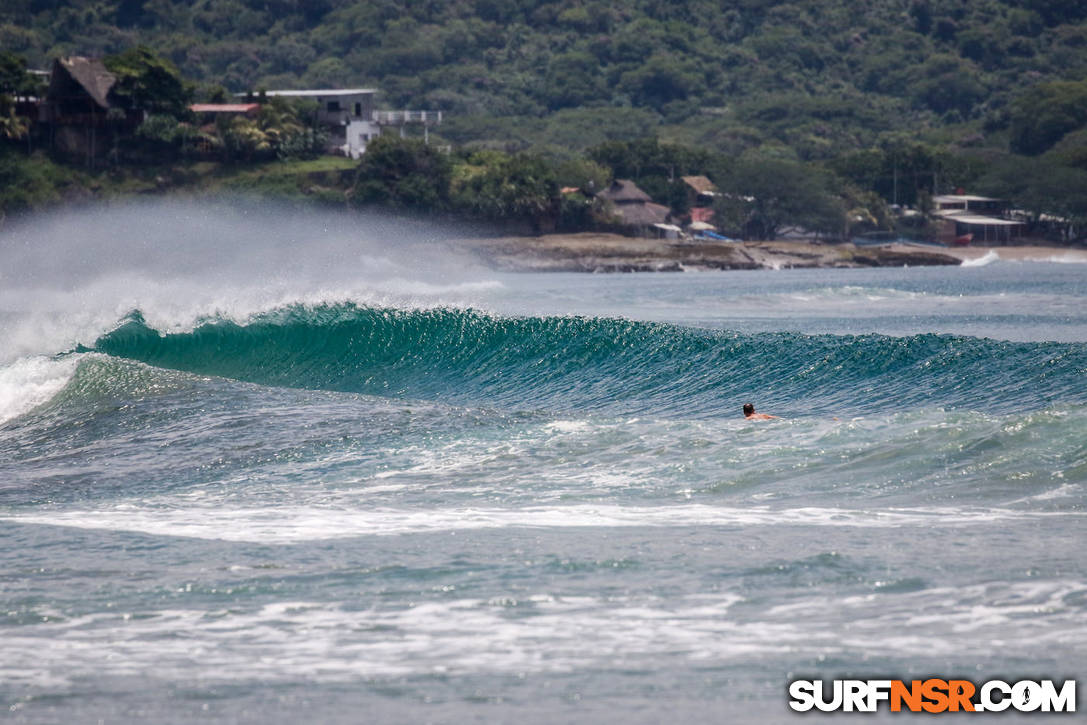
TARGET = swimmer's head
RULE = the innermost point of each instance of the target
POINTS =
(749, 408)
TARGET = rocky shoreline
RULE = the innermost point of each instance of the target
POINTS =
(591, 252)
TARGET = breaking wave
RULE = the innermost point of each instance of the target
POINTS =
(612, 365)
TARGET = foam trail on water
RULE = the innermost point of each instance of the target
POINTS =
(300, 524)
(1066, 259)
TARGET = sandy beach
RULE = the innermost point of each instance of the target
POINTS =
(593, 252)
(1068, 255)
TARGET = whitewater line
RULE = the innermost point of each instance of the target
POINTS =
(300, 524)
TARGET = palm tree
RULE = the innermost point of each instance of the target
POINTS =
(12, 126)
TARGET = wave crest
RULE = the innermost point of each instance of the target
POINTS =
(465, 356)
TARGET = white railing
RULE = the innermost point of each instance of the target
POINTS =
(400, 117)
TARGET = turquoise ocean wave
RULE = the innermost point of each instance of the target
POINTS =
(605, 364)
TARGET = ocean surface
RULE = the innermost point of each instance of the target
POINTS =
(265, 466)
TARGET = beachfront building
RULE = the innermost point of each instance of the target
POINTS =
(347, 115)
(79, 115)
(634, 208)
(701, 194)
(966, 218)
(351, 120)
(985, 205)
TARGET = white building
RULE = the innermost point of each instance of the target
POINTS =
(350, 117)
(347, 114)
(967, 218)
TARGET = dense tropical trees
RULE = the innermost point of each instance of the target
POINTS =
(1044, 114)
(901, 98)
(14, 82)
(406, 174)
(918, 64)
(500, 187)
(762, 195)
(148, 82)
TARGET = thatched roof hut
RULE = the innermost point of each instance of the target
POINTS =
(700, 184)
(77, 77)
(641, 215)
(633, 206)
(624, 191)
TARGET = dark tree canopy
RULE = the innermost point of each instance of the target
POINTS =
(146, 81)
(403, 173)
(899, 98)
(1046, 113)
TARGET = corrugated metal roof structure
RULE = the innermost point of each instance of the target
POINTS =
(964, 224)
(968, 218)
(331, 92)
(224, 107)
(955, 198)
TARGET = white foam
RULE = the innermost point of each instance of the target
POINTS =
(29, 382)
(1021, 257)
(326, 642)
(567, 426)
(950, 621)
(987, 258)
(47, 321)
(855, 293)
(68, 277)
(1066, 258)
(539, 631)
(311, 523)
(1065, 490)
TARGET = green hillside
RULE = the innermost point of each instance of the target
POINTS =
(898, 98)
(817, 77)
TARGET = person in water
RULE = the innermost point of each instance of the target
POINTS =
(750, 414)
